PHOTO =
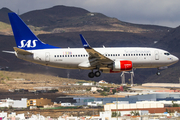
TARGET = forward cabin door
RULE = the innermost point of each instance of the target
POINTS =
(47, 57)
(156, 55)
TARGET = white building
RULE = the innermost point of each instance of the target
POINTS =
(103, 82)
(14, 103)
(95, 103)
(87, 84)
(66, 104)
(94, 89)
(138, 105)
(3, 115)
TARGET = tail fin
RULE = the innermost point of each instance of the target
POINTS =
(24, 37)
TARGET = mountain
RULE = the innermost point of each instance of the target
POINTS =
(4, 15)
(171, 40)
(52, 16)
(61, 26)
(59, 19)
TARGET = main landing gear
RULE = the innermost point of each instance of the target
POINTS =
(96, 74)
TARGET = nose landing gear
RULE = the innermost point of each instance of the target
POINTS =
(158, 72)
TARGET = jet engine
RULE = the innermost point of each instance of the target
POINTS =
(123, 65)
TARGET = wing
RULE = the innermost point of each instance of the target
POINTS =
(95, 57)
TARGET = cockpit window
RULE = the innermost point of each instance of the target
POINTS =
(167, 54)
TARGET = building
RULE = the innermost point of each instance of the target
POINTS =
(103, 82)
(14, 103)
(39, 102)
(66, 104)
(94, 89)
(95, 103)
(87, 84)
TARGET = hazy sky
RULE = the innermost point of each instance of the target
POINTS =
(154, 12)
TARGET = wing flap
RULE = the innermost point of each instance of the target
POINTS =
(21, 51)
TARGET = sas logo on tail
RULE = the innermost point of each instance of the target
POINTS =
(28, 44)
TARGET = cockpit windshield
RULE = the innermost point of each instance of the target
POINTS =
(167, 54)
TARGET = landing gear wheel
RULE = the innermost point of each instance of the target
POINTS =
(97, 73)
(91, 75)
(158, 73)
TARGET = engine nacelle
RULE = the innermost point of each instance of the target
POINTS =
(123, 65)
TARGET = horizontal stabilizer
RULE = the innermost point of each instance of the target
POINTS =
(12, 52)
(21, 51)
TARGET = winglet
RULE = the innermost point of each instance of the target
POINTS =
(84, 42)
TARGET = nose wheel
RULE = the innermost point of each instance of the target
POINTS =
(158, 72)
(96, 74)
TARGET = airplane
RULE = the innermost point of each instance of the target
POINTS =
(100, 60)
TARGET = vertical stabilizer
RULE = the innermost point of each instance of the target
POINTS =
(24, 37)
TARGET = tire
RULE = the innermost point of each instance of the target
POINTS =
(91, 75)
(97, 73)
(158, 73)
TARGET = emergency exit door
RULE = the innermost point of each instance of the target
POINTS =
(156, 55)
(47, 57)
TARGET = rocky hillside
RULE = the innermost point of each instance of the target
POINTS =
(61, 19)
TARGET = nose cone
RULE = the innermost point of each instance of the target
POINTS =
(175, 59)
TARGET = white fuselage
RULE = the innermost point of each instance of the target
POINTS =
(70, 58)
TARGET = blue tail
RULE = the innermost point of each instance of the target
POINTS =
(25, 38)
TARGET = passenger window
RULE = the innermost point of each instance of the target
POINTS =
(57, 55)
(54, 55)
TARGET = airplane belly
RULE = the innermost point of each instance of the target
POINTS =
(142, 62)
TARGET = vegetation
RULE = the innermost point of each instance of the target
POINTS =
(174, 104)
(125, 88)
(115, 114)
(103, 93)
(114, 91)
(135, 113)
